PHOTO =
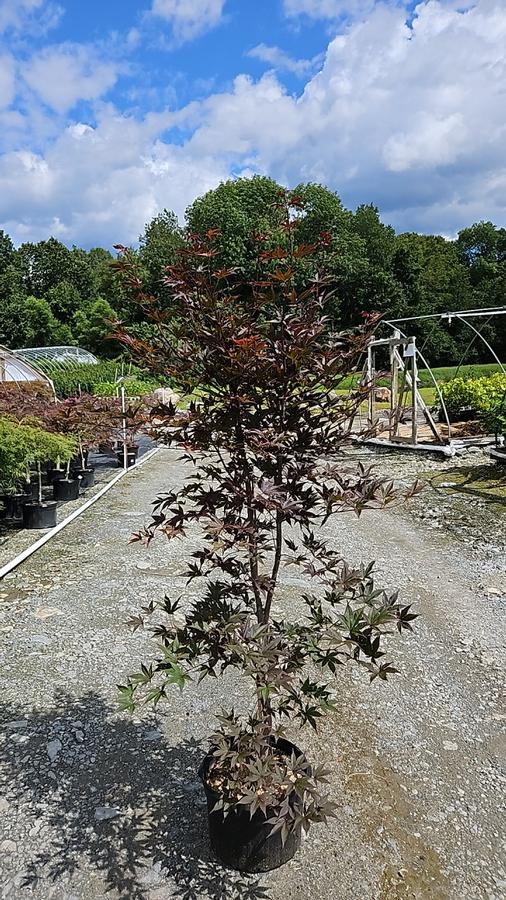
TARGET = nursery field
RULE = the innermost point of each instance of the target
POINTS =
(14, 539)
(49, 449)
(98, 803)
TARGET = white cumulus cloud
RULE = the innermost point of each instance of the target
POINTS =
(412, 118)
(101, 183)
(407, 115)
(189, 18)
(63, 74)
(28, 15)
(281, 60)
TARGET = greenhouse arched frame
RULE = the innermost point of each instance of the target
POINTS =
(15, 369)
(404, 357)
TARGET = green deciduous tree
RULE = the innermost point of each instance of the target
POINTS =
(237, 210)
(6, 251)
(92, 328)
(158, 244)
(64, 300)
(372, 268)
(41, 326)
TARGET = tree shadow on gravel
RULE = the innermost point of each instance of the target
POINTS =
(476, 481)
(102, 792)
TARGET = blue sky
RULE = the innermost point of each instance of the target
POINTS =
(110, 111)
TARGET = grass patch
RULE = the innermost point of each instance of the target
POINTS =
(446, 373)
(441, 374)
(428, 394)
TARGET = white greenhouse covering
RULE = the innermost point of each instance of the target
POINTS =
(14, 368)
(48, 359)
(40, 363)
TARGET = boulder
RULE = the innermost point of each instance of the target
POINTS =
(166, 396)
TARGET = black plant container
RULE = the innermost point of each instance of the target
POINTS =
(66, 489)
(13, 504)
(86, 478)
(39, 515)
(53, 475)
(246, 843)
(31, 488)
(464, 414)
(132, 453)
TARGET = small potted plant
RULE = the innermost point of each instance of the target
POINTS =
(67, 487)
(40, 513)
(14, 453)
(264, 433)
(130, 423)
(89, 421)
(71, 417)
(32, 404)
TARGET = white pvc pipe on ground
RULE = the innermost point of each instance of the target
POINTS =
(77, 512)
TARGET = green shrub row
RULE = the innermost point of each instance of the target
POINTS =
(486, 395)
(99, 379)
(134, 387)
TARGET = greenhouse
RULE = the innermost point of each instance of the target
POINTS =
(16, 368)
(49, 359)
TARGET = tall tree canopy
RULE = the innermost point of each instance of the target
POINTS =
(51, 293)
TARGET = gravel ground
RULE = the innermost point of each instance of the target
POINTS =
(95, 803)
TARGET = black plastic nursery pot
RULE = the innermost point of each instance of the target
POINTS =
(245, 843)
(464, 414)
(132, 453)
(31, 488)
(66, 489)
(39, 515)
(85, 477)
(53, 475)
(13, 504)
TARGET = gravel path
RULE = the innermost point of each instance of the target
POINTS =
(95, 803)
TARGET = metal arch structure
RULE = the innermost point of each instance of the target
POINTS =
(51, 359)
(404, 355)
(16, 370)
(40, 364)
(463, 316)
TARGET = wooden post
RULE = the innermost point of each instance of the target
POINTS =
(124, 428)
(370, 380)
(414, 392)
(393, 424)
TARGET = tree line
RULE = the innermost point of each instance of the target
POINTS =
(50, 294)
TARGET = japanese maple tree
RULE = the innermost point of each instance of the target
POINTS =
(263, 436)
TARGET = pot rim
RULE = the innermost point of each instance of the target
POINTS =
(5, 494)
